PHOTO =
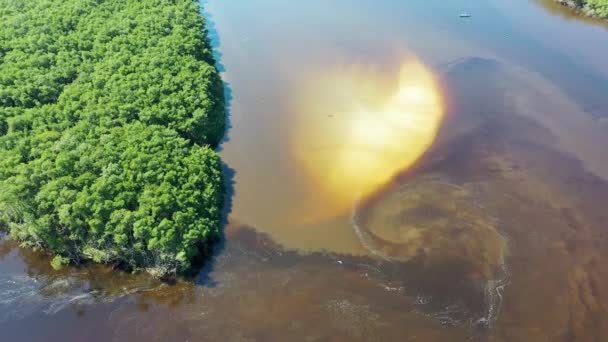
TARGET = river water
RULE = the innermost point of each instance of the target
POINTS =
(396, 172)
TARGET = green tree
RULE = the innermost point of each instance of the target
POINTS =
(109, 111)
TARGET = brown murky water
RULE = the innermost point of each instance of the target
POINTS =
(486, 221)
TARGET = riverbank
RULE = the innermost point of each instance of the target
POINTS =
(589, 8)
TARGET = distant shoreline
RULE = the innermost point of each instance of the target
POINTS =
(595, 10)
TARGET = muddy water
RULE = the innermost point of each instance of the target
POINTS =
(497, 231)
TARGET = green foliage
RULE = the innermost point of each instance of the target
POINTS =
(592, 8)
(58, 262)
(600, 7)
(108, 112)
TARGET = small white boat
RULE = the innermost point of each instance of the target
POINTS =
(465, 15)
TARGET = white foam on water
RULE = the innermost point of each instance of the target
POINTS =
(22, 295)
(364, 238)
(493, 288)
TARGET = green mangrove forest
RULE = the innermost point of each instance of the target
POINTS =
(592, 8)
(109, 113)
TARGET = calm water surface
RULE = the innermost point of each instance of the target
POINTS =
(478, 217)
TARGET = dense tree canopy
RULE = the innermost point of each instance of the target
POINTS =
(108, 112)
(600, 7)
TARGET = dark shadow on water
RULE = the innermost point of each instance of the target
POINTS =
(227, 122)
(203, 277)
(215, 42)
(213, 37)
(208, 260)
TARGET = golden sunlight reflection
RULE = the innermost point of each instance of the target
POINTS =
(357, 127)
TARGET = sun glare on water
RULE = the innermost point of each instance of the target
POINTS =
(358, 127)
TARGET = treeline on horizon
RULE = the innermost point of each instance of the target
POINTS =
(109, 110)
(595, 8)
